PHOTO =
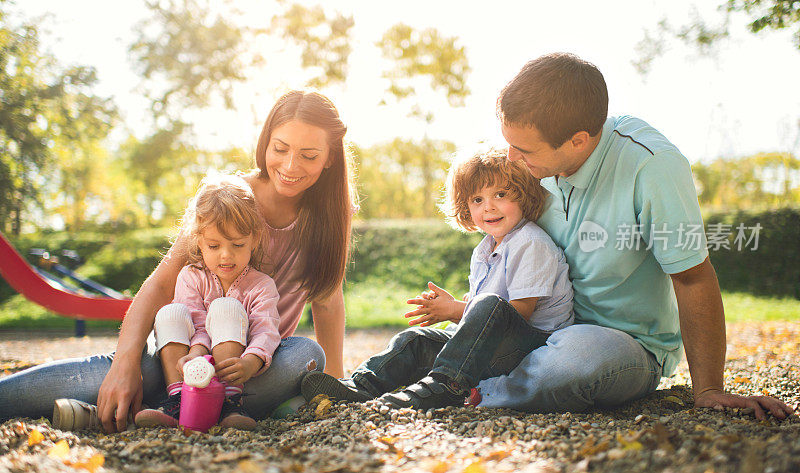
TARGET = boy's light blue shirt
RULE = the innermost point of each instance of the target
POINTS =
(526, 263)
(627, 219)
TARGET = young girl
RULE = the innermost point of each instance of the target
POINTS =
(519, 294)
(223, 305)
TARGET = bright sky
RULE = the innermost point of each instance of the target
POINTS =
(741, 102)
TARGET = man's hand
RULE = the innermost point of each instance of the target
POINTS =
(120, 393)
(236, 371)
(718, 397)
(434, 306)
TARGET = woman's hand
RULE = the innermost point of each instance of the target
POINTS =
(119, 395)
(236, 371)
(434, 306)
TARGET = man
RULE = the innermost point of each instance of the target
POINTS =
(624, 209)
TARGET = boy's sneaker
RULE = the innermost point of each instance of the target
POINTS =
(72, 414)
(427, 393)
(166, 414)
(234, 415)
(317, 382)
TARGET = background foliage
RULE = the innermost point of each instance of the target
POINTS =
(72, 176)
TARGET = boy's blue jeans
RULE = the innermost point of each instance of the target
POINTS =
(31, 393)
(491, 339)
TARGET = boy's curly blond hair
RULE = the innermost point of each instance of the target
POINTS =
(467, 176)
(228, 202)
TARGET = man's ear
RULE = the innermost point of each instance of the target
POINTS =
(580, 139)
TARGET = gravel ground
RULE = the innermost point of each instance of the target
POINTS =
(662, 432)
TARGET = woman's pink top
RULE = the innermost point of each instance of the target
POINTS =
(197, 287)
(283, 264)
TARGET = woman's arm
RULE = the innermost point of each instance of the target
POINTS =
(121, 391)
(329, 329)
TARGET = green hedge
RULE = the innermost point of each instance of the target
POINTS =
(410, 253)
(774, 267)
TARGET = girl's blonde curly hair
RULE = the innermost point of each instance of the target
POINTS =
(467, 176)
(228, 202)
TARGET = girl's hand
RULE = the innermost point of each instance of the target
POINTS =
(236, 371)
(194, 352)
(434, 306)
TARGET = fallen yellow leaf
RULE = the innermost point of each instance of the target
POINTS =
(59, 450)
(589, 448)
(628, 444)
(246, 466)
(674, 399)
(440, 467)
(35, 437)
(497, 455)
(92, 464)
(323, 407)
(475, 467)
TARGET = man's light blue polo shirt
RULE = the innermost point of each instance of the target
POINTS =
(627, 219)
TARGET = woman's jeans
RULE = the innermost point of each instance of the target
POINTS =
(31, 393)
(491, 339)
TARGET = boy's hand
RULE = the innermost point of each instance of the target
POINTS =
(434, 306)
(236, 371)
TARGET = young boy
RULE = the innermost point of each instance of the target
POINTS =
(519, 294)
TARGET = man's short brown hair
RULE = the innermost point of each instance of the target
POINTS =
(560, 94)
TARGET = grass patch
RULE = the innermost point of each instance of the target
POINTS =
(744, 307)
(17, 313)
(381, 304)
(372, 304)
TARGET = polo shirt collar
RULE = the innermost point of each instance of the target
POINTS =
(583, 177)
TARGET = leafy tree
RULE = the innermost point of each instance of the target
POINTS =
(44, 106)
(402, 178)
(187, 55)
(420, 56)
(761, 15)
(424, 62)
(324, 41)
(80, 123)
(761, 181)
(150, 161)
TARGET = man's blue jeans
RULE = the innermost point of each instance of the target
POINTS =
(31, 393)
(491, 339)
(581, 366)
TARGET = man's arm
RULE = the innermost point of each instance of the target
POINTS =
(702, 322)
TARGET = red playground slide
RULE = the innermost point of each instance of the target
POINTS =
(25, 280)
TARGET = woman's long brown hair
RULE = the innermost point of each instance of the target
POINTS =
(326, 208)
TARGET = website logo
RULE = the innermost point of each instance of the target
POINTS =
(591, 236)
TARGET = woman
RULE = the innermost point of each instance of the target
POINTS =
(304, 191)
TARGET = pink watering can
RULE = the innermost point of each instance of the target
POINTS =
(201, 396)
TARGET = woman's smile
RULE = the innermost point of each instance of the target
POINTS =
(288, 180)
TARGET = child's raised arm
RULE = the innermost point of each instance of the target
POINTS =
(434, 306)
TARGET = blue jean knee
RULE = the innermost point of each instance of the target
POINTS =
(32, 392)
(407, 359)
(292, 360)
(581, 366)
